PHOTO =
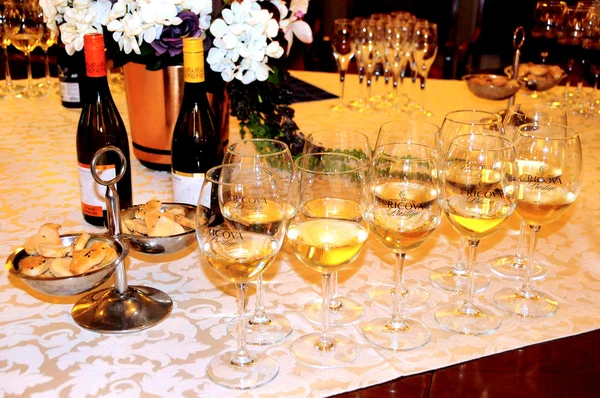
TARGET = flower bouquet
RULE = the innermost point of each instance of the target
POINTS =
(245, 42)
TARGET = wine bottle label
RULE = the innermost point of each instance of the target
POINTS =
(69, 92)
(92, 193)
(187, 187)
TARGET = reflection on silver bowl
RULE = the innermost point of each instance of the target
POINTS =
(68, 285)
(492, 87)
(162, 244)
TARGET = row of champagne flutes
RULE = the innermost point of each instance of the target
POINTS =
(328, 200)
(22, 25)
(387, 48)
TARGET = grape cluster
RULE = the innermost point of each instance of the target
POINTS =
(263, 110)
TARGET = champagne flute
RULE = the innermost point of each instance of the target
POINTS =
(357, 27)
(46, 42)
(264, 328)
(454, 278)
(343, 310)
(513, 266)
(476, 207)
(403, 212)
(342, 52)
(413, 131)
(425, 47)
(367, 56)
(24, 25)
(327, 244)
(543, 198)
(240, 233)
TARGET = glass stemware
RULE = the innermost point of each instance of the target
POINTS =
(8, 87)
(543, 198)
(343, 310)
(264, 328)
(404, 131)
(513, 266)
(403, 212)
(453, 278)
(327, 244)
(425, 47)
(547, 21)
(23, 25)
(240, 232)
(367, 56)
(569, 53)
(46, 42)
(591, 58)
(480, 190)
(342, 51)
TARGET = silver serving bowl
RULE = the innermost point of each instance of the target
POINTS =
(68, 285)
(535, 83)
(490, 86)
(163, 244)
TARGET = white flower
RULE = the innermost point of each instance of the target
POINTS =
(294, 25)
(85, 17)
(244, 42)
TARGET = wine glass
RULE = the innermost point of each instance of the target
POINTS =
(48, 39)
(403, 212)
(24, 26)
(414, 131)
(425, 47)
(357, 27)
(367, 56)
(547, 21)
(342, 52)
(569, 50)
(591, 57)
(264, 328)
(343, 310)
(454, 278)
(480, 190)
(327, 243)
(243, 233)
(513, 266)
(543, 198)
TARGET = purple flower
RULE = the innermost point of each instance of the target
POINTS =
(171, 39)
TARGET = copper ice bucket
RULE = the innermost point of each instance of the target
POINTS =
(153, 102)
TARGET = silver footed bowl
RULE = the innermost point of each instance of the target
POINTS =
(68, 285)
(159, 244)
(490, 86)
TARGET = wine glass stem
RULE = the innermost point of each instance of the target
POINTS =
(526, 289)
(242, 357)
(7, 68)
(361, 78)
(342, 80)
(423, 79)
(47, 68)
(334, 301)
(259, 309)
(520, 257)
(369, 82)
(399, 288)
(29, 74)
(460, 268)
(468, 304)
(326, 341)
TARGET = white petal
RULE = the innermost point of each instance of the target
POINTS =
(227, 75)
(302, 31)
(228, 16)
(230, 41)
(219, 28)
(248, 77)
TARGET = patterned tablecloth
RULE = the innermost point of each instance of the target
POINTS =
(43, 353)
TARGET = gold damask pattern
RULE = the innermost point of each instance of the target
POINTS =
(43, 353)
(193, 74)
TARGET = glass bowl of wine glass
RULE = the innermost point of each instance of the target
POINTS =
(490, 86)
(55, 278)
(159, 227)
(534, 77)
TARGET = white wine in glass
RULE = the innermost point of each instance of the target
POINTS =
(403, 212)
(240, 232)
(550, 164)
(326, 243)
(476, 208)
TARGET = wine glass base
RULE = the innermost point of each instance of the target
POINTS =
(348, 313)
(533, 305)
(261, 370)
(272, 329)
(12, 89)
(447, 278)
(507, 268)
(307, 350)
(472, 320)
(414, 297)
(410, 334)
(108, 311)
(341, 108)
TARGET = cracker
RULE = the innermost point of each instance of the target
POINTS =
(33, 265)
(166, 227)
